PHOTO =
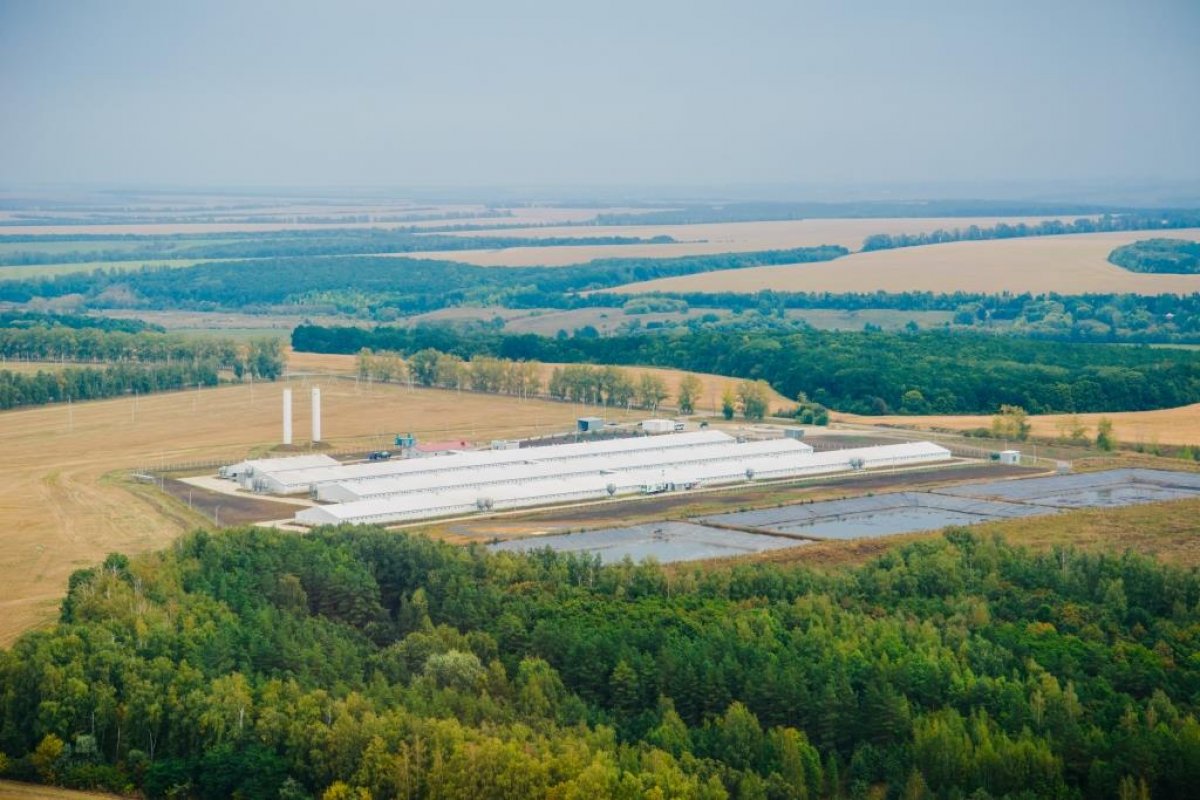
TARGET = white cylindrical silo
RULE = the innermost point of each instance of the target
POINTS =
(316, 414)
(287, 416)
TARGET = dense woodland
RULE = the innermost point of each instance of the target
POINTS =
(1173, 256)
(867, 372)
(1162, 319)
(30, 319)
(363, 663)
(73, 384)
(356, 283)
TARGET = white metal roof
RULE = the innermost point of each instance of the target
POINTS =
(483, 458)
(290, 463)
(764, 462)
(536, 469)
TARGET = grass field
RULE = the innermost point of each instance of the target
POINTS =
(1072, 264)
(12, 790)
(64, 504)
(32, 367)
(1178, 426)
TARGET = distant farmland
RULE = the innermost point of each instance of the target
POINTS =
(1168, 426)
(705, 239)
(1072, 264)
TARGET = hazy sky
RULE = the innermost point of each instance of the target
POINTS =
(597, 93)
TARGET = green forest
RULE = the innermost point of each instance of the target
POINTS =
(352, 283)
(1124, 222)
(363, 663)
(1168, 256)
(862, 372)
(23, 250)
(117, 357)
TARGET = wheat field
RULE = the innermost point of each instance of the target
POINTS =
(64, 504)
(1072, 264)
(700, 239)
(1168, 426)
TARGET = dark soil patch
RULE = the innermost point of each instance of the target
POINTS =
(228, 509)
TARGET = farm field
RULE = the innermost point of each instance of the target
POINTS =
(704, 239)
(1176, 426)
(1071, 264)
(66, 506)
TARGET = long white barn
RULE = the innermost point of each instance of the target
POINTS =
(303, 481)
(527, 484)
(535, 467)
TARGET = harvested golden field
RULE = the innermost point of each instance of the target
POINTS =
(63, 498)
(1178, 426)
(1073, 264)
(12, 790)
(710, 395)
(703, 239)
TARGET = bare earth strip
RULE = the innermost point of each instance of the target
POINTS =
(1178, 426)
(1072, 264)
(703, 239)
(64, 505)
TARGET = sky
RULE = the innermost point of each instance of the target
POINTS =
(697, 93)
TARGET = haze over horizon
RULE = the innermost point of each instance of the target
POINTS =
(537, 94)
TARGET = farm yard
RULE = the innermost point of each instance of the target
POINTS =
(1069, 264)
(67, 501)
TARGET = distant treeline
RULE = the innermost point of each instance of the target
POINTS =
(776, 211)
(1159, 220)
(261, 357)
(1130, 318)
(861, 372)
(1170, 256)
(94, 383)
(32, 319)
(295, 244)
(354, 282)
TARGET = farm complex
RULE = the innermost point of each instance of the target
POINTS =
(392, 491)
